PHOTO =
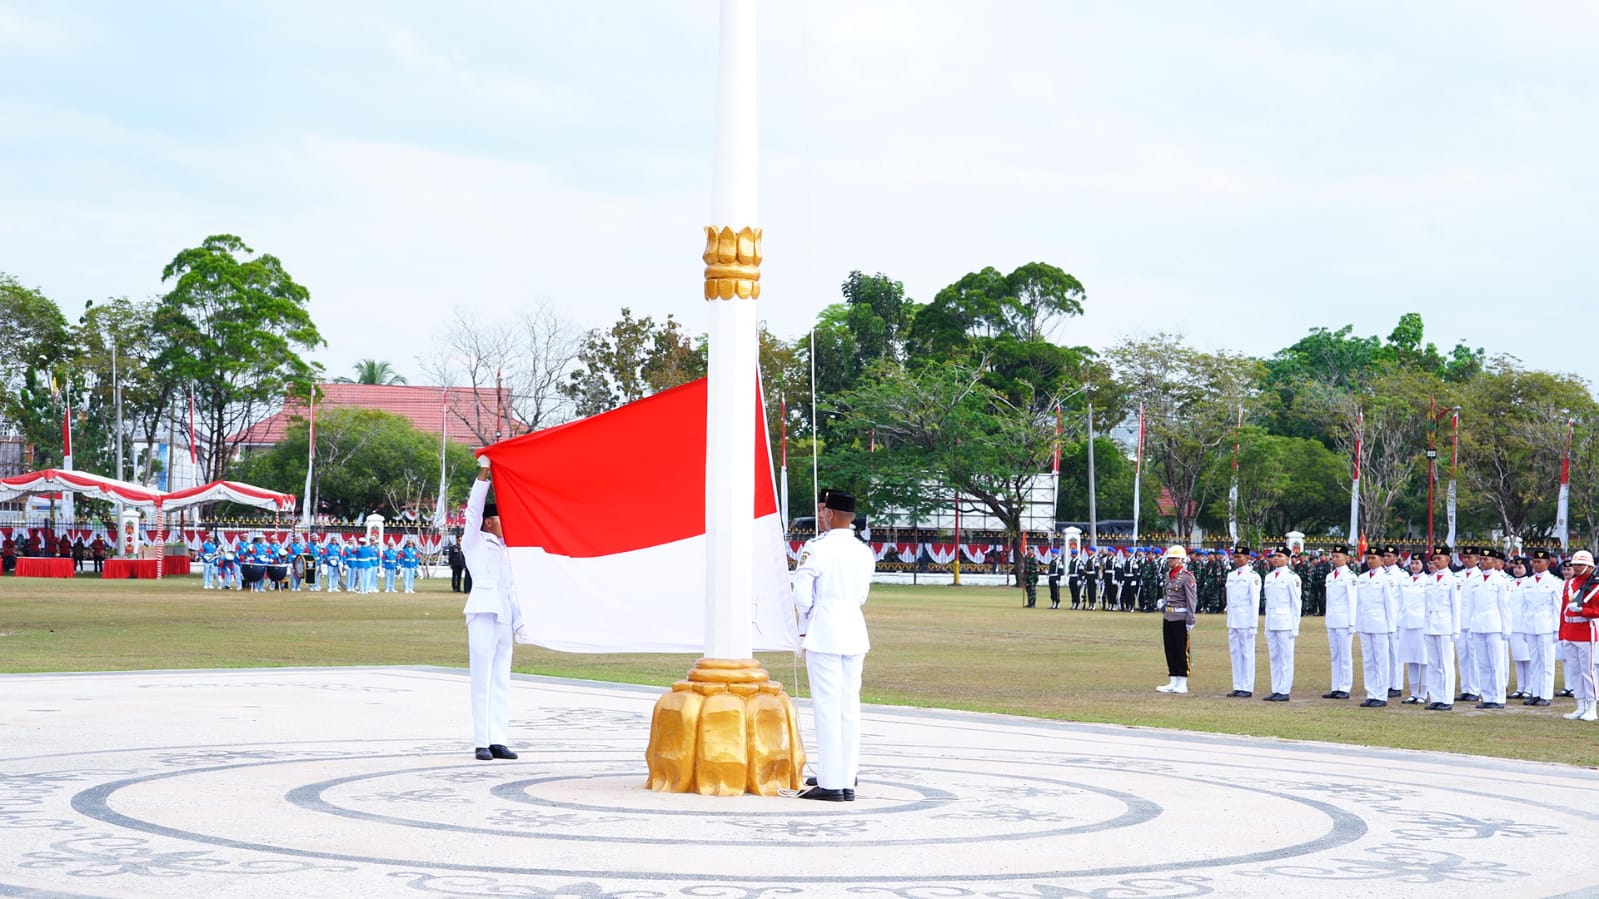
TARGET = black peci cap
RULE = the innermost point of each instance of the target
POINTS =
(1441, 549)
(1541, 554)
(1339, 548)
(839, 501)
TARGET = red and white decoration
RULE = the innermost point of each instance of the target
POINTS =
(54, 480)
(229, 491)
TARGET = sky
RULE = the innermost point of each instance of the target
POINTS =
(1236, 172)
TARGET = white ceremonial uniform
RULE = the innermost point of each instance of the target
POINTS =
(1465, 650)
(1376, 614)
(1490, 626)
(1540, 614)
(1442, 626)
(1340, 620)
(1396, 668)
(1243, 616)
(1411, 638)
(492, 618)
(1517, 645)
(830, 586)
(1282, 589)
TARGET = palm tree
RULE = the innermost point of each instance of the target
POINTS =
(373, 371)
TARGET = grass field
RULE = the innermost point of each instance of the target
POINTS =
(964, 648)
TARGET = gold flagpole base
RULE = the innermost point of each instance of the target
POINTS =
(729, 729)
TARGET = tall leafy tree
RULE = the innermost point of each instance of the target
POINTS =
(236, 323)
(632, 359)
(35, 341)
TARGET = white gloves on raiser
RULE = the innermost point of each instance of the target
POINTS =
(482, 461)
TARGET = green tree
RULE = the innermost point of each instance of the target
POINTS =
(35, 342)
(367, 461)
(373, 371)
(939, 431)
(634, 358)
(1191, 401)
(1113, 483)
(235, 324)
(1024, 305)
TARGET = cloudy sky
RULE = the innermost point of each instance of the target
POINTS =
(1238, 172)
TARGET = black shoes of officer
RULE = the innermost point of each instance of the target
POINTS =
(483, 754)
(1490, 705)
(1414, 700)
(1277, 697)
(811, 782)
(826, 795)
(1395, 694)
(1468, 697)
(1239, 693)
(1336, 694)
(1374, 704)
(1439, 707)
(1564, 694)
(1536, 700)
(1519, 694)
(500, 752)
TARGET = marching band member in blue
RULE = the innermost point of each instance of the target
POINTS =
(334, 562)
(352, 568)
(209, 554)
(296, 561)
(391, 567)
(410, 560)
(368, 556)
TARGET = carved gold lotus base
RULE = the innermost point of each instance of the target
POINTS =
(729, 729)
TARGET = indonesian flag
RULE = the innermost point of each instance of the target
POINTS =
(67, 512)
(608, 554)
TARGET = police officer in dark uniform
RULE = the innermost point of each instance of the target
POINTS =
(1074, 578)
(1090, 571)
(1054, 572)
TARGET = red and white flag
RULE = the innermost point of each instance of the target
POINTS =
(604, 519)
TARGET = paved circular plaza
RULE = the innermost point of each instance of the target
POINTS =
(341, 782)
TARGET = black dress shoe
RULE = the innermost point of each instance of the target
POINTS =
(483, 754)
(1234, 694)
(1537, 700)
(500, 752)
(1440, 707)
(849, 795)
(1564, 694)
(1519, 694)
(1280, 697)
(1395, 694)
(1432, 706)
(1490, 705)
(811, 782)
(1245, 694)
(1367, 703)
(826, 795)
(1336, 694)
(1412, 701)
(1468, 697)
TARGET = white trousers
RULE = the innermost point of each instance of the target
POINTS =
(1488, 652)
(1467, 653)
(1567, 667)
(1440, 675)
(1396, 668)
(1241, 646)
(1541, 670)
(1579, 656)
(488, 647)
(1374, 665)
(836, 705)
(1280, 650)
(1340, 642)
(210, 575)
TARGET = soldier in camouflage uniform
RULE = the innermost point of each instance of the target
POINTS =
(1030, 578)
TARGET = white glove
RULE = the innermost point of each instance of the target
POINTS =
(1160, 604)
(1574, 607)
(1190, 627)
(482, 461)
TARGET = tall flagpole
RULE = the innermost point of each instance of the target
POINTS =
(1232, 493)
(1138, 472)
(310, 463)
(731, 730)
(1054, 478)
(1357, 540)
(1454, 470)
(440, 517)
(1563, 505)
(67, 511)
(1093, 510)
(782, 413)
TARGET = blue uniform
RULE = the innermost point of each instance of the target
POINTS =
(296, 550)
(333, 559)
(391, 567)
(410, 559)
(367, 555)
(209, 556)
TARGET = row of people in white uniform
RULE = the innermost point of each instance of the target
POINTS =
(1414, 625)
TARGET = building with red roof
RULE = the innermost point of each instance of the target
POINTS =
(473, 416)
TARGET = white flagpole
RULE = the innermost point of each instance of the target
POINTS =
(1354, 487)
(439, 517)
(1138, 472)
(1563, 505)
(1232, 494)
(310, 462)
(1450, 496)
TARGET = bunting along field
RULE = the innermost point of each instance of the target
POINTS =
(968, 648)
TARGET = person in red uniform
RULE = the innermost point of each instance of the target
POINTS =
(1579, 631)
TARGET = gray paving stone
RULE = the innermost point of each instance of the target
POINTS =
(360, 782)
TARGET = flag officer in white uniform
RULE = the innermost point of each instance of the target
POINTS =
(1376, 612)
(1243, 616)
(830, 586)
(1441, 628)
(492, 618)
(1282, 589)
(1340, 620)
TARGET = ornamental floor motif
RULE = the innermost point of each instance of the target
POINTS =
(359, 782)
